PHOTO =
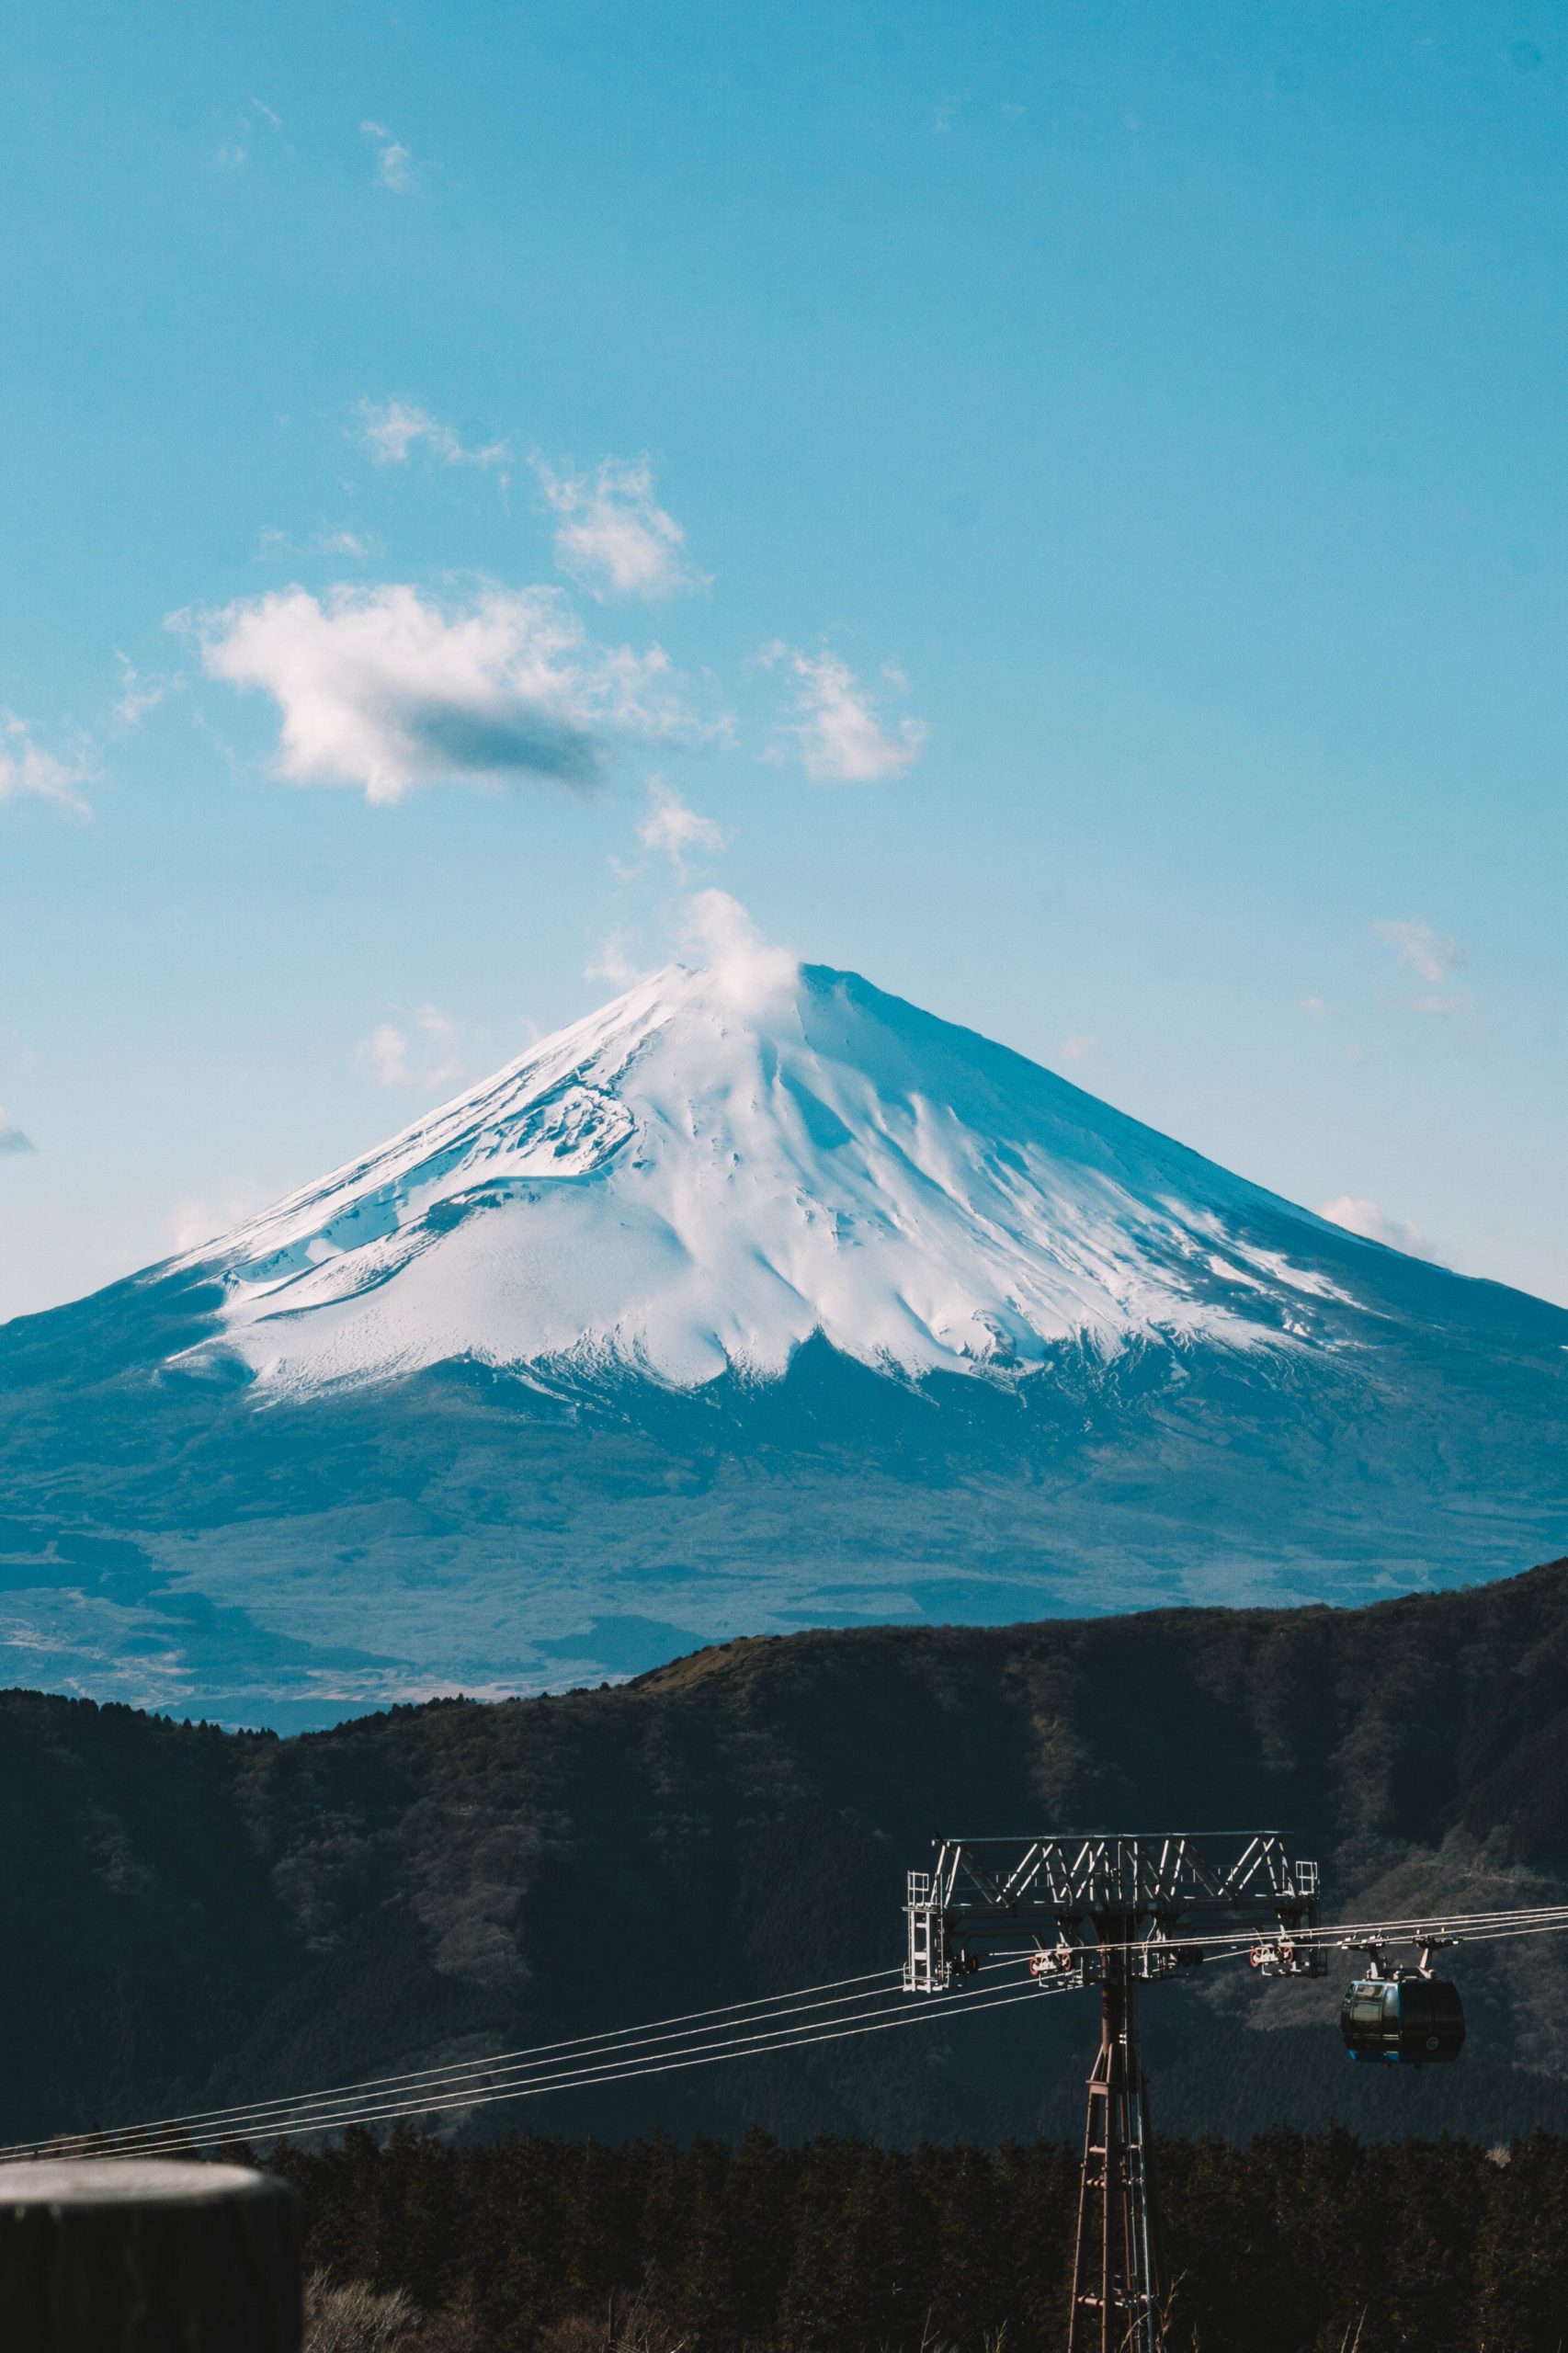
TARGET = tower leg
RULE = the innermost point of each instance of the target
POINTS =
(1119, 2288)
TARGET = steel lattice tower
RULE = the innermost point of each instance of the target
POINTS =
(1120, 2294)
(1114, 1910)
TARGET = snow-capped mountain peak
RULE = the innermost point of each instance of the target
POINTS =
(721, 1163)
(725, 1245)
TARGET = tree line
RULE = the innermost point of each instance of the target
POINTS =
(1305, 2243)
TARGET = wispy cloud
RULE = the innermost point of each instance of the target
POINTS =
(843, 739)
(1079, 1046)
(613, 538)
(1432, 958)
(11, 1137)
(190, 1224)
(26, 770)
(394, 164)
(1357, 1215)
(230, 157)
(388, 689)
(426, 1051)
(613, 962)
(273, 544)
(679, 832)
(138, 695)
(390, 429)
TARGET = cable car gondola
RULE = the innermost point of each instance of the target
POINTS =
(1407, 2019)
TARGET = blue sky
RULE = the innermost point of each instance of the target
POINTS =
(1059, 508)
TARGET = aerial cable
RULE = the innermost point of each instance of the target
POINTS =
(483, 2079)
(1350, 1936)
(486, 2095)
(902, 2016)
(482, 2072)
(1500, 1935)
(655, 2030)
(744, 2029)
(1468, 1926)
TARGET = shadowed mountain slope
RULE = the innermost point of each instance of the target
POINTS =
(191, 1916)
(758, 1300)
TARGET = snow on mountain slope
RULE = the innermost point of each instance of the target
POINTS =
(759, 1299)
(721, 1163)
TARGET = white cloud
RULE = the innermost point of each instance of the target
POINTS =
(676, 830)
(268, 113)
(11, 1137)
(392, 428)
(613, 964)
(26, 770)
(723, 936)
(1318, 1006)
(230, 157)
(1079, 1046)
(190, 1224)
(427, 1053)
(842, 739)
(1432, 957)
(137, 695)
(1373, 1225)
(613, 538)
(385, 689)
(394, 164)
(272, 543)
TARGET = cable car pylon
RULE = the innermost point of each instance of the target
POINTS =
(1116, 1910)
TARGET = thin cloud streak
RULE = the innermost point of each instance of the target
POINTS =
(1431, 958)
(841, 737)
(138, 695)
(678, 831)
(391, 429)
(426, 1052)
(28, 771)
(1362, 1217)
(613, 538)
(394, 164)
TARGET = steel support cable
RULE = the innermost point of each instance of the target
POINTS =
(1243, 1952)
(261, 2120)
(901, 2017)
(1501, 1936)
(1470, 1926)
(480, 2074)
(728, 2014)
(1234, 1944)
(757, 2046)
(1465, 1927)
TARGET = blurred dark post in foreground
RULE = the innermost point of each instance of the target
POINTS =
(127, 2255)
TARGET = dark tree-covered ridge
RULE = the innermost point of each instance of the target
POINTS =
(191, 1916)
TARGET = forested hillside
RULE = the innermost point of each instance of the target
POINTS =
(1303, 2244)
(188, 1915)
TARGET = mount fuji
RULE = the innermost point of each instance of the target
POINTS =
(758, 1299)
